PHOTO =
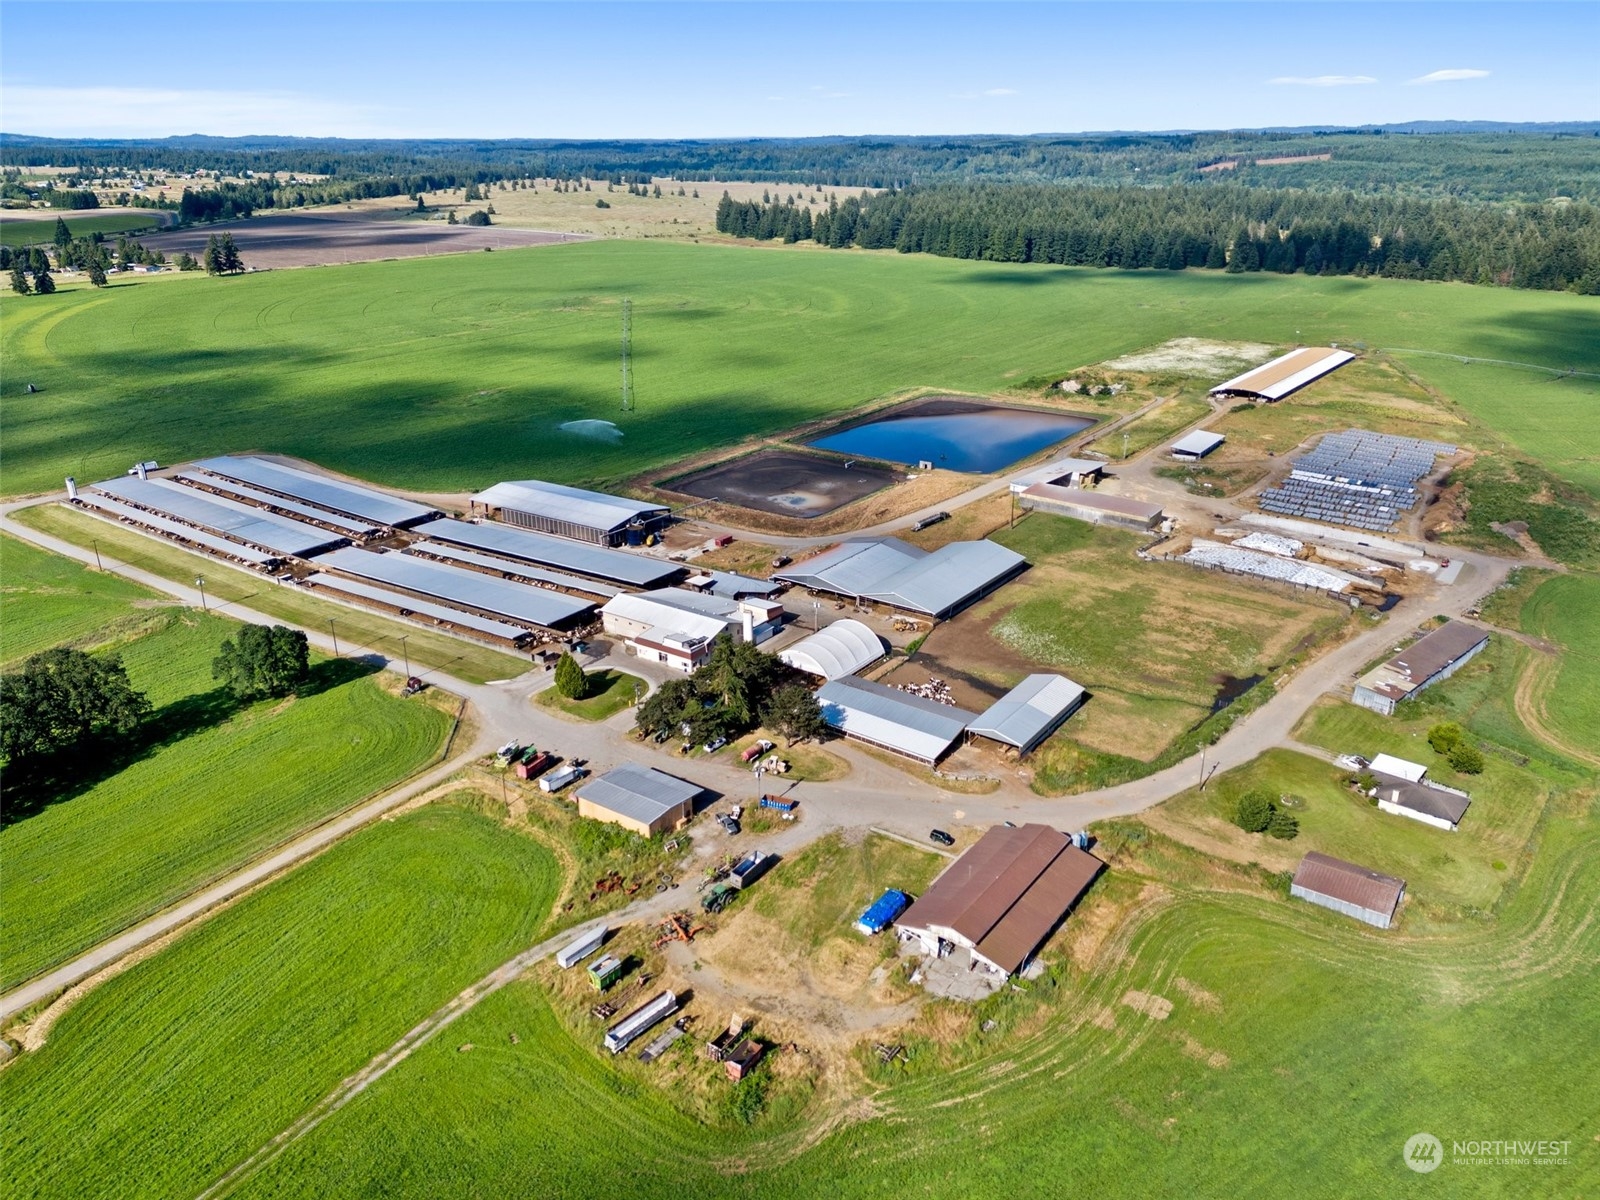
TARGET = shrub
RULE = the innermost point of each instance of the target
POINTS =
(1466, 758)
(1445, 737)
(1282, 825)
(1253, 812)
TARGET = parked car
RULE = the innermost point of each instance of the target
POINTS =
(729, 824)
(943, 838)
(715, 744)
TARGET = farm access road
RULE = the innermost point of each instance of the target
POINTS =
(874, 792)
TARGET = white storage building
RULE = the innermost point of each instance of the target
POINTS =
(843, 648)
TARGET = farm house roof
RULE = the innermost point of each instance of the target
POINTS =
(1348, 882)
(220, 515)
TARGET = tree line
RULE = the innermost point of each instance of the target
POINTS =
(1550, 246)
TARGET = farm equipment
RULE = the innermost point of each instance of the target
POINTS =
(677, 929)
(534, 763)
(506, 753)
(751, 753)
(751, 868)
(413, 686)
(557, 780)
(717, 1048)
(719, 897)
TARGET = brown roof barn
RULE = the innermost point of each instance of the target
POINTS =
(1004, 896)
(1345, 887)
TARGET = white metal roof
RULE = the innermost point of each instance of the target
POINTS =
(921, 728)
(221, 515)
(843, 648)
(1286, 373)
(665, 620)
(1060, 469)
(897, 573)
(1388, 764)
(187, 532)
(351, 499)
(1026, 714)
(1201, 441)
(636, 570)
(559, 502)
(639, 793)
(457, 585)
(424, 608)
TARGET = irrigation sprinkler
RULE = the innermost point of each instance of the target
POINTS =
(199, 582)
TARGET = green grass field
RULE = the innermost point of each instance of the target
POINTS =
(48, 600)
(609, 693)
(217, 785)
(1566, 610)
(41, 230)
(162, 1078)
(482, 357)
(357, 629)
(1291, 1029)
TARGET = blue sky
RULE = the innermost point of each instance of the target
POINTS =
(781, 69)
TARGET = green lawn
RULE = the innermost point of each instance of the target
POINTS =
(41, 230)
(1566, 610)
(164, 1077)
(482, 357)
(357, 629)
(609, 693)
(1279, 1010)
(48, 600)
(218, 784)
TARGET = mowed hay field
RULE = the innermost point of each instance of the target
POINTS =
(48, 600)
(162, 1078)
(39, 228)
(1566, 697)
(1214, 1022)
(1153, 642)
(452, 373)
(211, 784)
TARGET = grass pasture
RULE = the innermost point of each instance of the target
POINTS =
(357, 628)
(1566, 611)
(41, 230)
(50, 601)
(482, 357)
(608, 694)
(216, 784)
(164, 1077)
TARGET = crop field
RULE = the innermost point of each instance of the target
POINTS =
(1566, 610)
(1206, 1027)
(357, 628)
(483, 357)
(39, 230)
(216, 784)
(48, 601)
(162, 1078)
(1155, 643)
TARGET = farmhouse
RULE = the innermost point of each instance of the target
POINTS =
(1436, 656)
(886, 717)
(571, 512)
(1404, 789)
(843, 648)
(1095, 507)
(1285, 374)
(642, 799)
(1067, 472)
(1002, 898)
(936, 583)
(677, 627)
(1347, 888)
(1029, 712)
(1195, 446)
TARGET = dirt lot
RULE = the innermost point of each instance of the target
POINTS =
(786, 483)
(326, 238)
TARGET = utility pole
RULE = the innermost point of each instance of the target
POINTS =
(335, 633)
(1124, 443)
(97, 564)
(627, 352)
(1202, 768)
(199, 582)
(405, 654)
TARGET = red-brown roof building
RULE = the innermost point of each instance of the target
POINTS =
(1347, 888)
(1002, 898)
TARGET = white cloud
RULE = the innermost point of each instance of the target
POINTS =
(160, 112)
(1449, 76)
(1323, 80)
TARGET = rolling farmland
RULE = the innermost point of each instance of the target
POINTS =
(165, 1076)
(481, 358)
(48, 600)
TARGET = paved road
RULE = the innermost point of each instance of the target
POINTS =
(874, 792)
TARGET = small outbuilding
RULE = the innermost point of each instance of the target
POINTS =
(1095, 507)
(1029, 712)
(1066, 472)
(1348, 888)
(642, 799)
(1194, 446)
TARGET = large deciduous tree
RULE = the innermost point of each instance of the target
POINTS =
(792, 712)
(263, 661)
(65, 700)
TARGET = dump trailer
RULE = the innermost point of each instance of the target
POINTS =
(534, 765)
(885, 910)
(639, 1020)
(751, 868)
(605, 971)
(780, 805)
(576, 951)
(557, 780)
